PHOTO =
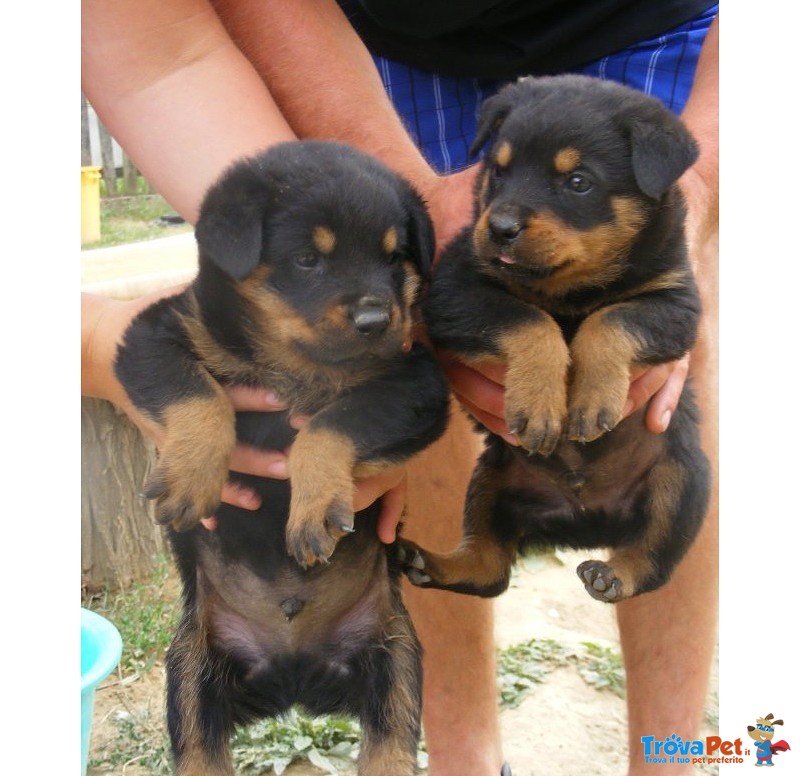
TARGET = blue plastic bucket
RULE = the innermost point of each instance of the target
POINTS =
(101, 648)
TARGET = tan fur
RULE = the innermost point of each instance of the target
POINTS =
(324, 239)
(566, 160)
(590, 257)
(602, 356)
(536, 380)
(199, 437)
(188, 653)
(390, 240)
(504, 154)
(321, 471)
(395, 755)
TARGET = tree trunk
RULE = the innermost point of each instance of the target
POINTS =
(120, 539)
(86, 143)
(130, 177)
(107, 157)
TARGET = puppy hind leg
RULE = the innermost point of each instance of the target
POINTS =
(391, 716)
(198, 717)
(671, 513)
(481, 564)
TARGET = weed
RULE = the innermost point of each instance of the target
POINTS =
(521, 666)
(144, 616)
(602, 668)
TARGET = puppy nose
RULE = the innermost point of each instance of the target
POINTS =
(504, 226)
(370, 316)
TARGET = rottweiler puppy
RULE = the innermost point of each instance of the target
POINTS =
(310, 257)
(573, 272)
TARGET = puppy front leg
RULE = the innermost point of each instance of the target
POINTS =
(321, 462)
(650, 329)
(166, 383)
(375, 425)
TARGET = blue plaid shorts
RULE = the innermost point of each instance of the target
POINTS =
(440, 112)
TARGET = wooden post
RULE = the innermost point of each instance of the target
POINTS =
(120, 539)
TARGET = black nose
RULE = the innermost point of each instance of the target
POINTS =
(371, 316)
(505, 227)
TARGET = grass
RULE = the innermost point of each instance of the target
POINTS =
(132, 219)
(146, 617)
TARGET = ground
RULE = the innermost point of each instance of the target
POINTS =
(563, 724)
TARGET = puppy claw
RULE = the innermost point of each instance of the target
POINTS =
(417, 577)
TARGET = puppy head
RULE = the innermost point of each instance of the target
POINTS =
(323, 245)
(575, 172)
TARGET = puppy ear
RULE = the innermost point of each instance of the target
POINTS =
(421, 239)
(661, 153)
(229, 230)
(493, 113)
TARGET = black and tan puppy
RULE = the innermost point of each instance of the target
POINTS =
(309, 260)
(574, 271)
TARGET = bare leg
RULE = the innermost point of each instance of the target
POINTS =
(667, 683)
(460, 711)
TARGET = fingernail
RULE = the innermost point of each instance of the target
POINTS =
(665, 419)
(278, 469)
(247, 500)
(272, 398)
(628, 408)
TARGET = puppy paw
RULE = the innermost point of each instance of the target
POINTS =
(315, 527)
(535, 414)
(183, 497)
(412, 561)
(596, 409)
(600, 581)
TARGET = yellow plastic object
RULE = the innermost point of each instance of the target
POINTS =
(90, 204)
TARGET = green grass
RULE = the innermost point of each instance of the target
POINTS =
(145, 618)
(132, 219)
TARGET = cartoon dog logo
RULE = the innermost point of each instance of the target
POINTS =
(762, 734)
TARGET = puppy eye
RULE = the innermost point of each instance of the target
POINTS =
(308, 261)
(395, 257)
(578, 183)
(499, 171)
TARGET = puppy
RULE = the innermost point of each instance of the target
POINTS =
(573, 272)
(309, 261)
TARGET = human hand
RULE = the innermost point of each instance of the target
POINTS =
(480, 390)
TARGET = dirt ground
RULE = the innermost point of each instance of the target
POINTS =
(562, 726)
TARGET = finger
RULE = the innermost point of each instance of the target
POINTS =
(645, 385)
(247, 399)
(209, 523)
(237, 496)
(392, 509)
(369, 489)
(492, 422)
(663, 404)
(473, 386)
(261, 463)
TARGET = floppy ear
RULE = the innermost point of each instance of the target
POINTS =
(661, 153)
(421, 239)
(229, 229)
(493, 113)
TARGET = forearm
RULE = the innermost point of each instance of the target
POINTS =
(701, 115)
(176, 93)
(323, 78)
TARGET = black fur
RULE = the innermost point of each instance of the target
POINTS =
(261, 631)
(575, 162)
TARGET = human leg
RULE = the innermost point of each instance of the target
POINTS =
(460, 710)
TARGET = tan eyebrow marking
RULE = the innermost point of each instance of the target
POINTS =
(324, 239)
(390, 240)
(566, 160)
(503, 155)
